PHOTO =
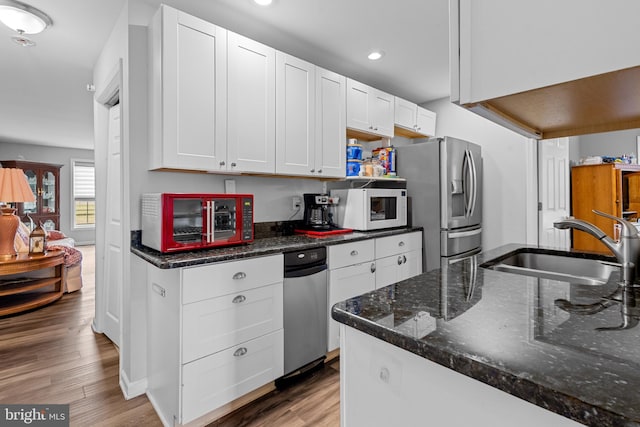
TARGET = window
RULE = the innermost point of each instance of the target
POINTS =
(84, 194)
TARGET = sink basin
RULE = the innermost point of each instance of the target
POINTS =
(579, 268)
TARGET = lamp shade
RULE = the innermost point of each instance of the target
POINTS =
(14, 186)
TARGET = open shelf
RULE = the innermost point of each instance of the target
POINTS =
(374, 178)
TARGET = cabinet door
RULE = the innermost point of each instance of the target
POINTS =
(388, 270)
(330, 124)
(345, 283)
(382, 113)
(251, 106)
(358, 114)
(405, 113)
(411, 265)
(295, 116)
(193, 93)
(425, 122)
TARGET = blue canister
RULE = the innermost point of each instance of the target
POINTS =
(354, 152)
(353, 167)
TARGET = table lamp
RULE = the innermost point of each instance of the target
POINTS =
(14, 188)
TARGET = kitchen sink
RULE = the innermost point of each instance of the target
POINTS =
(579, 268)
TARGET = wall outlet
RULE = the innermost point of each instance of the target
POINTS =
(297, 202)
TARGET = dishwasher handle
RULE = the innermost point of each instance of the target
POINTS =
(307, 271)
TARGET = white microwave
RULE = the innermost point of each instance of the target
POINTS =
(371, 208)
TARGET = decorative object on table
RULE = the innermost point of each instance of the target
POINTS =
(14, 188)
(37, 240)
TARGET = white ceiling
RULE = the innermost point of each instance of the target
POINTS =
(43, 96)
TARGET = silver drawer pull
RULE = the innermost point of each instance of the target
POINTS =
(240, 352)
(373, 267)
(239, 299)
(354, 253)
(399, 260)
(404, 258)
(239, 275)
(401, 243)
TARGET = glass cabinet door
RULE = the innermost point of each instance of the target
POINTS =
(48, 192)
(32, 178)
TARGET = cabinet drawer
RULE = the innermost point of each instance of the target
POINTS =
(210, 281)
(218, 379)
(350, 254)
(394, 245)
(215, 324)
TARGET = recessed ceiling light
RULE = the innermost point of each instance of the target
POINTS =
(375, 55)
(263, 2)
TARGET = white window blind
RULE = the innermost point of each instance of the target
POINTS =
(84, 181)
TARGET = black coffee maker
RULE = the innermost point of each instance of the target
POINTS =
(316, 212)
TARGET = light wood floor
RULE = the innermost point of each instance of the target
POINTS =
(52, 356)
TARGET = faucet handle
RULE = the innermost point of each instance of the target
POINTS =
(628, 229)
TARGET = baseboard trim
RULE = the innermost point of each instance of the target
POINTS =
(132, 389)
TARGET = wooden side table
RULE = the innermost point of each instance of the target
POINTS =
(20, 292)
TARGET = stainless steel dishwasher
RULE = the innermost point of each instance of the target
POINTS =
(305, 309)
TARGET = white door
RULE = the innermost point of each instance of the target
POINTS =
(295, 115)
(382, 113)
(251, 92)
(113, 253)
(553, 191)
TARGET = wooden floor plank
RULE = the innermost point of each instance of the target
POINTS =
(52, 356)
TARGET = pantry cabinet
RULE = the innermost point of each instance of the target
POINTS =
(251, 144)
(413, 121)
(530, 66)
(610, 188)
(216, 334)
(369, 110)
(188, 92)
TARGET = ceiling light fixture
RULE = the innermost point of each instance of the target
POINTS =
(23, 18)
(263, 2)
(375, 55)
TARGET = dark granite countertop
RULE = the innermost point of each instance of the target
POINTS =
(507, 331)
(258, 247)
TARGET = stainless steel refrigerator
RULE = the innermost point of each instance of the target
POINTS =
(444, 189)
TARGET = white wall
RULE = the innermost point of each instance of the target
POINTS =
(609, 143)
(61, 156)
(507, 159)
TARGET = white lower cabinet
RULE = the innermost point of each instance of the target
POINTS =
(215, 380)
(383, 385)
(345, 283)
(398, 257)
(360, 267)
(215, 334)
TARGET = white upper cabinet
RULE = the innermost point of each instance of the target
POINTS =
(251, 105)
(310, 119)
(330, 157)
(295, 115)
(413, 121)
(188, 92)
(546, 69)
(369, 110)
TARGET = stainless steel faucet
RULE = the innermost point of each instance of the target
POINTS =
(626, 250)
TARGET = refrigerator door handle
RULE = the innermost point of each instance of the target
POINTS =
(467, 171)
(474, 183)
(460, 234)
